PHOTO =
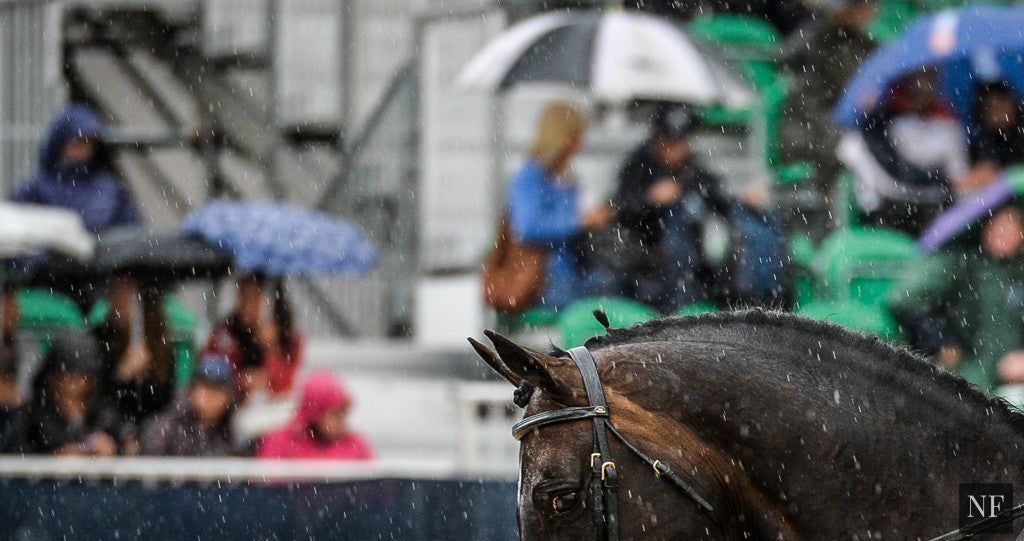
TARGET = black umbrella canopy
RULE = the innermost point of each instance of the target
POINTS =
(159, 256)
(563, 55)
(155, 257)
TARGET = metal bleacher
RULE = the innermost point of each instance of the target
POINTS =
(148, 78)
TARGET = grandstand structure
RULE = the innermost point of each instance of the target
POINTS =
(350, 108)
(345, 107)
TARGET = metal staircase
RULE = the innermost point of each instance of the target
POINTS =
(162, 98)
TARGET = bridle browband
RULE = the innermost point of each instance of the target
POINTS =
(603, 470)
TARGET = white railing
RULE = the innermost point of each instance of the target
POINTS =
(237, 469)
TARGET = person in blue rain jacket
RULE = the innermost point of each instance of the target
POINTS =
(544, 208)
(74, 173)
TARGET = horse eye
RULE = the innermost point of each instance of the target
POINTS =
(564, 503)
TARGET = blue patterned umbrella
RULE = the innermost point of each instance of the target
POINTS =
(281, 239)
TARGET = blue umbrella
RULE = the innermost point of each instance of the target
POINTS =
(970, 45)
(281, 239)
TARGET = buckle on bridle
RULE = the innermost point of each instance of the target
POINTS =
(605, 466)
(594, 456)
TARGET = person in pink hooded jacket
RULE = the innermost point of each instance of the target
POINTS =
(319, 428)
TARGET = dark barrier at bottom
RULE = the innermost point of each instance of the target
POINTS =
(371, 509)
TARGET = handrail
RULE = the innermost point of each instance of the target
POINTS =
(235, 469)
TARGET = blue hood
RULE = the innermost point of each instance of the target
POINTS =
(73, 122)
(87, 188)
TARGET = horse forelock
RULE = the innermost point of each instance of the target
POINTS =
(761, 329)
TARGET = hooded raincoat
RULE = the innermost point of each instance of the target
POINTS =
(88, 188)
(960, 295)
(47, 429)
(321, 393)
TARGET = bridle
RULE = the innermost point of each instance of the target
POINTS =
(604, 481)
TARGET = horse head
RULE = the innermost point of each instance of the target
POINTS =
(747, 425)
(654, 478)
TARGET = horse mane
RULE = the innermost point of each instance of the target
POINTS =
(912, 364)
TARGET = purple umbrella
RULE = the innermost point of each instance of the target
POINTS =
(964, 213)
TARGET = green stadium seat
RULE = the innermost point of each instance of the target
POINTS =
(863, 264)
(43, 313)
(802, 254)
(696, 308)
(578, 324)
(44, 310)
(749, 36)
(894, 16)
(855, 316)
(531, 318)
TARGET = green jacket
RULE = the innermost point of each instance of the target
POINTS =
(979, 299)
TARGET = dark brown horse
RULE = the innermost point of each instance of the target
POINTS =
(783, 427)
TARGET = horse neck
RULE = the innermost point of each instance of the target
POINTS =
(710, 472)
(783, 421)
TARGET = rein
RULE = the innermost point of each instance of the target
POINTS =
(603, 471)
(983, 525)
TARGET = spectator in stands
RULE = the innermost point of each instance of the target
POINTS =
(74, 173)
(664, 200)
(544, 207)
(199, 422)
(910, 157)
(819, 59)
(137, 374)
(963, 304)
(320, 427)
(1011, 374)
(265, 352)
(12, 411)
(999, 138)
(66, 415)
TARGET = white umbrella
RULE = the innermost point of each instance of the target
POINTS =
(28, 229)
(616, 55)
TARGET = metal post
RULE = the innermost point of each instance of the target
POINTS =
(205, 138)
(269, 161)
(346, 69)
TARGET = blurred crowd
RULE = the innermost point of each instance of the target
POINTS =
(121, 386)
(909, 159)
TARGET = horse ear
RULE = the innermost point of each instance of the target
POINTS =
(543, 371)
(494, 361)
